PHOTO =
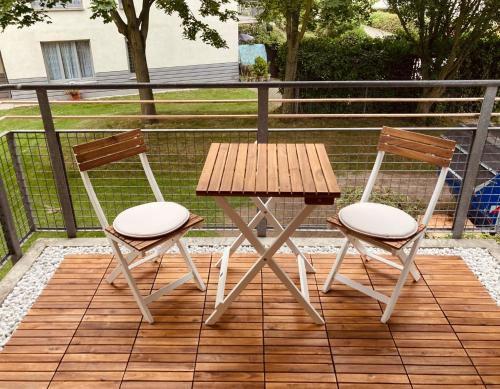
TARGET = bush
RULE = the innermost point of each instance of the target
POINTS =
(385, 21)
(260, 67)
(263, 33)
(353, 56)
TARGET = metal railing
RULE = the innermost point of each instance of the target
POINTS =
(41, 190)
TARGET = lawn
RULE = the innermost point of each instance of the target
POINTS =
(98, 109)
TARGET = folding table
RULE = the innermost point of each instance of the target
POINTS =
(267, 171)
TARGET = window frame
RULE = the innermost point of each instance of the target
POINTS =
(68, 7)
(60, 61)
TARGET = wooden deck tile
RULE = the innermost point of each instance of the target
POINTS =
(85, 333)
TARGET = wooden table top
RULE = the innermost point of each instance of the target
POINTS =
(269, 170)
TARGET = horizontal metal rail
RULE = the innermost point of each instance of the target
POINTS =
(254, 116)
(271, 129)
(229, 101)
(266, 84)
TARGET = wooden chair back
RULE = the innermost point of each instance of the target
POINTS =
(110, 149)
(425, 148)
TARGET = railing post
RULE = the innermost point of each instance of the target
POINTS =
(8, 225)
(263, 115)
(472, 167)
(262, 137)
(21, 180)
(56, 157)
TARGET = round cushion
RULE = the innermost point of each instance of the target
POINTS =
(151, 220)
(378, 220)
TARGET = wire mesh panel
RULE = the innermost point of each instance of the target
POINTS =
(176, 157)
(402, 183)
(8, 174)
(39, 178)
(3, 250)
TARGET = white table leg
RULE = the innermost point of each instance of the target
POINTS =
(247, 233)
(301, 299)
(253, 223)
(266, 258)
(276, 224)
(242, 226)
(224, 305)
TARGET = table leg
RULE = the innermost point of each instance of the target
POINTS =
(224, 261)
(224, 305)
(301, 299)
(276, 224)
(253, 223)
(266, 258)
(240, 223)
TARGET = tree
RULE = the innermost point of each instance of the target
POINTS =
(134, 27)
(301, 16)
(334, 17)
(444, 32)
(296, 16)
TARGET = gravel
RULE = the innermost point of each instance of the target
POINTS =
(18, 302)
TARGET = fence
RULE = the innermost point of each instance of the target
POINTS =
(41, 190)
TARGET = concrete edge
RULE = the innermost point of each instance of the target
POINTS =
(15, 274)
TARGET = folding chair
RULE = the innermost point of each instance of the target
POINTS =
(385, 227)
(147, 231)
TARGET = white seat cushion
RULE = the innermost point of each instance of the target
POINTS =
(151, 220)
(378, 220)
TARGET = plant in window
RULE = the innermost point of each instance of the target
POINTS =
(75, 94)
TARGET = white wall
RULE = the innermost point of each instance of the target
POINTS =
(22, 54)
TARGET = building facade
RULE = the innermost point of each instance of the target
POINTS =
(74, 48)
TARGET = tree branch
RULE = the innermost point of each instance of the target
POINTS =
(120, 24)
(305, 19)
(144, 17)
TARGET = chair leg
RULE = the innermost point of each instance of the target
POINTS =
(408, 266)
(191, 266)
(336, 266)
(132, 284)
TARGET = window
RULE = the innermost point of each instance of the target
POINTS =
(72, 4)
(130, 58)
(70, 60)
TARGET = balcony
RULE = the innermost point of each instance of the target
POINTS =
(74, 329)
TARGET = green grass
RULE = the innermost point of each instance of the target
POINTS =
(134, 109)
(177, 109)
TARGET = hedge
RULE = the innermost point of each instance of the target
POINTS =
(357, 57)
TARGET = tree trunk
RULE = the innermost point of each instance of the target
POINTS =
(292, 54)
(138, 47)
(434, 92)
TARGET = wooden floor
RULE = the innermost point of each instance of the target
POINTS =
(82, 332)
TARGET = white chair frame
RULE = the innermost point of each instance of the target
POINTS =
(135, 257)
(407, 260)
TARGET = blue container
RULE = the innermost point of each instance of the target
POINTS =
(484, 207)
